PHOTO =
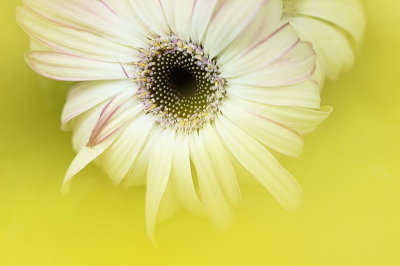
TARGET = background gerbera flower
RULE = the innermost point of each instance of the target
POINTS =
(334, 27)
(176, 94)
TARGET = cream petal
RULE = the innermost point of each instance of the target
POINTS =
(121, 155)
(347, 15)
(85, 156)
(86, 95)
(169, 204)
(115, 115)
(304, 94)
(264, 24)
(331, 45)
(201, 16)
(261, 164)
(223, 165)
(138, 172)
(295, 66)
(158, 172)
(229, 21)
(152, 14)
(301, 120)
(68, 40)
(211, 193)
(62, 66)
(262, 54)
(267, 131)
(182, 177)
(179, 14)
(90, 16)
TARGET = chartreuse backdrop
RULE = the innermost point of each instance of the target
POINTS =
(350, 173)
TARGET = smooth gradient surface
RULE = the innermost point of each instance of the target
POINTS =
(350, 173)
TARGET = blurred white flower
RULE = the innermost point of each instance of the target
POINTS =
(334, 27)
(178, 93)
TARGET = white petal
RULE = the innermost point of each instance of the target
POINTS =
(61, 66)
(301, 120)
(86, 95)
(304, 94)
(297, 65)
(64, 39)
(222, 164)
(261, 163)
(229, 20)
(201, 16)
(90, 16)
(331, 45)
(269, 132)
(159, 170)
(85, 156)
(169, 204)
(211, 193)
(121, 155)
(265, 23)
(182, 177)
(179, 15)
(263, 53)
(347, 14)
(152, 14)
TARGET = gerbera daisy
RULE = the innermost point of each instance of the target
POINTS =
(177, 94)
(334, 27)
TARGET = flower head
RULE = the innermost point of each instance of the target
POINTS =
(177, 93)
(334, 27)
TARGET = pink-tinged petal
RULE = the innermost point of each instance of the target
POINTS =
(333, 48)
(200, 18)
(90, 15)
(304, 94)
(229, 21)
(295, 66)
(86, 95)
(72, 41)
(263, 53)
(263, 25)
(62, 66)
(267, 131)
(121, 109)
(85, 156)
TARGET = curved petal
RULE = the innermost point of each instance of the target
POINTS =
(158, 172)
(121, 155)
(211, 193)
(297, 65)
(86, 95)
(229, 20)
(201, 16)
(223, 165)
(264, 53)
(90, 16)
(69, 40)
(267, 131)
(152, 14)
(61, 66)
(304, 94)
(182, 177)
(261, 164)
(331, 45)
(263, 25)
(301, 120)
(347, 15)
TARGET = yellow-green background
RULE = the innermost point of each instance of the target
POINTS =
(349, 171)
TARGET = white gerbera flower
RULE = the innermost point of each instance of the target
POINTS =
(334, 27)
(179, 93)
